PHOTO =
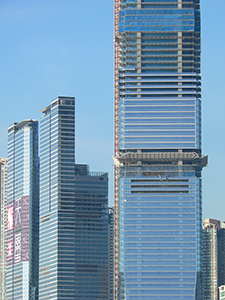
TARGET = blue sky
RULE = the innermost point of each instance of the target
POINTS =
(54, 47)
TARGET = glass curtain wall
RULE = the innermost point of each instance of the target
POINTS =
(57, 172)
(91, 234)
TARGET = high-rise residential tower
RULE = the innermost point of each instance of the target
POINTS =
(73, 213)
(213, 259)
(210, 259)
(3, 223)
(22, 211)
(158, 158)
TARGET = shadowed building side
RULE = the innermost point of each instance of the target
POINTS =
(91, 234)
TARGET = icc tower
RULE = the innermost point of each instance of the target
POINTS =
(158, 158)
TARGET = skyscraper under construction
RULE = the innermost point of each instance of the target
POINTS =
(158, 158)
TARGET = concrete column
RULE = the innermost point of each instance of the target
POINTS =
(179, 3)
(138, 52)
(138, 4)
(179, 52)
(139, 59)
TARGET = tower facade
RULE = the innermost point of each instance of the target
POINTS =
(91, 234)
(221, 255)
(210, 262)
(57, 205)
(73, 213)
(22, 211)
(158, 158)
(213, 259)
(3, 224)
(111, 253)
